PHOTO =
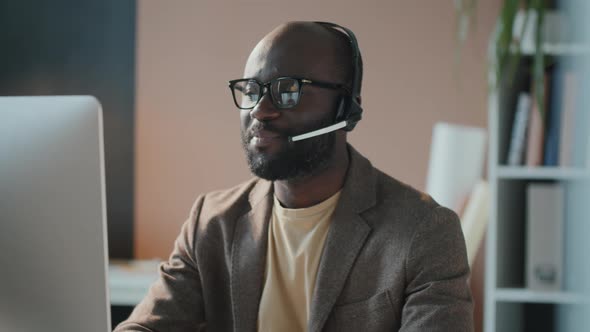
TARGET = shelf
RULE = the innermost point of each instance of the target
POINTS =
(542, 173)
(556, 50)
(532, 296)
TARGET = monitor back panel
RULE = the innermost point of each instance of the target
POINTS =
(53, 251)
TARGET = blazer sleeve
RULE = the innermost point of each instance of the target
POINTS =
(174, 302)
(438, 297)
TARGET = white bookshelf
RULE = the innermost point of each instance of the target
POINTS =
(508, 303)
(558, 49)
(542, 173)
(520, 295)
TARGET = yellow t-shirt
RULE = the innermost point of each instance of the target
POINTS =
(295, 243)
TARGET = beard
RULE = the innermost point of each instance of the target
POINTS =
(294, 160)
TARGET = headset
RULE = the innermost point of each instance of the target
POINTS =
(349, 111)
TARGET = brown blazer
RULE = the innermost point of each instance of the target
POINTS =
(393, 260)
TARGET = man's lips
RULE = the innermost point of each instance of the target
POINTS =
(261, 138)
(265, 134)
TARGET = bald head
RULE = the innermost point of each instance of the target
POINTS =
(304, 49)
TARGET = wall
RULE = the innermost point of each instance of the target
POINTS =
(187, 130)
(73, 47)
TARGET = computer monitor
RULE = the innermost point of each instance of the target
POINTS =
(53, 245)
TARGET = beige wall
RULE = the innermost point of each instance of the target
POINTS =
(187, 134)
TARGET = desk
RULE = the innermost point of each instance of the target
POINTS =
(129, 281)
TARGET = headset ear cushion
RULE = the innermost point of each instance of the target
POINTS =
(349, 110)
(341, 112)
(354, 116)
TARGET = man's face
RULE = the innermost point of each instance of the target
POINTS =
(265, 129)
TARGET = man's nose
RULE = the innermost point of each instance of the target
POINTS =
(265, 110)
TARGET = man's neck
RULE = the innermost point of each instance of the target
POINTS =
(313, 189)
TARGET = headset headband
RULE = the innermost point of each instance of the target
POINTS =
(355, 54)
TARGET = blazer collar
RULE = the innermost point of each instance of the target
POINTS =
(359, 192)
(345, 239)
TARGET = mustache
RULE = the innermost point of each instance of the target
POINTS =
(257, 127)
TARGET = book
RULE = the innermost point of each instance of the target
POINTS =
(536, 128)
(568, 116)
(519, 127)
(475, 219)
(544, 236)
(553, 120)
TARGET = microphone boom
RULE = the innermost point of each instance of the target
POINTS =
(318, 132)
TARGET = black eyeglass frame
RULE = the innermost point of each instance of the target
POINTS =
(264, 87)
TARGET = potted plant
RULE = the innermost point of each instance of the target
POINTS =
(506, 50)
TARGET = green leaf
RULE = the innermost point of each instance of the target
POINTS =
(504, 39)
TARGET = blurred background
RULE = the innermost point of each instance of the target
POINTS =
(160, 70)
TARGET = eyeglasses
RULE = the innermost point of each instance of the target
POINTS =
(285, 92)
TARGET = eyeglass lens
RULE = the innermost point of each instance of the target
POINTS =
(285, 93)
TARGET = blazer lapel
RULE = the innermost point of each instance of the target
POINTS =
(347, 235)
(248, 258)
(345, 239)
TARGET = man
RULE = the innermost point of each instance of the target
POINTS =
(320, 240)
